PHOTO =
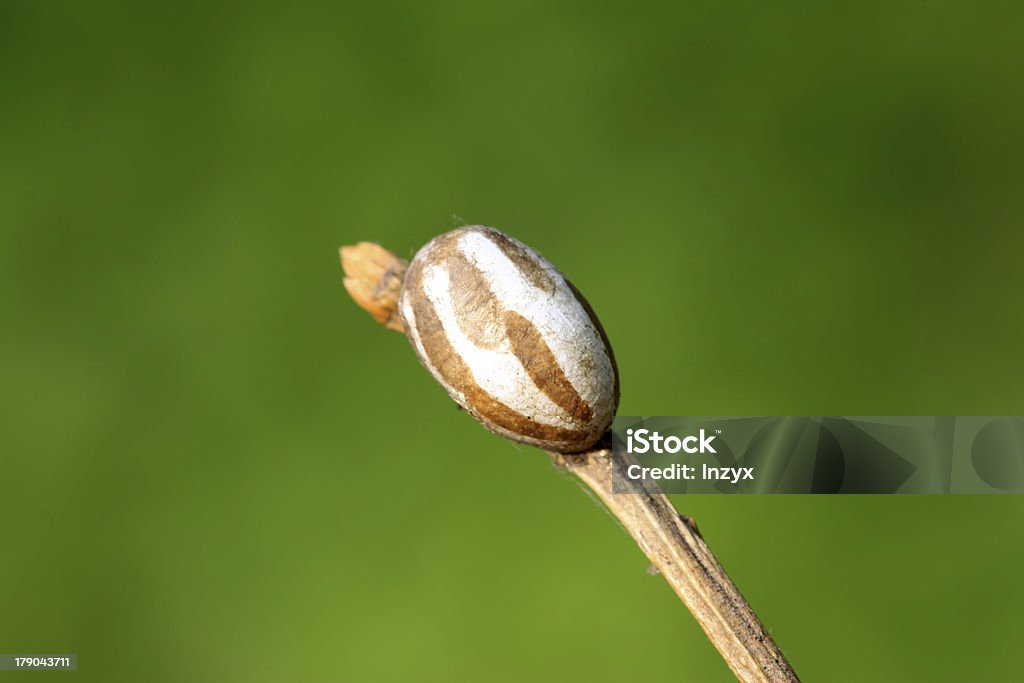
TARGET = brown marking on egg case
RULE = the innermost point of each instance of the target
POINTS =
(541, 365)
(477, 309)
(478, 402)
(527, 262)
(525, 259)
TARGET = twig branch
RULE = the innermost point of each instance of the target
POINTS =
(670, 541)
(677, 549)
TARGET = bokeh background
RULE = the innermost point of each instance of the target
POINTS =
(216, 468)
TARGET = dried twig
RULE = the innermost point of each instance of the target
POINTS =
(670, 541)
(677, 549)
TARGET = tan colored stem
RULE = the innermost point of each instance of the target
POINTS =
(670, 541)
(677, 549)
(373, 278)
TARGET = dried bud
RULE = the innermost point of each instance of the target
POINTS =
(373, 278)
(510, 339)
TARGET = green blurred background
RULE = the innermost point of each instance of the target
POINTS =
(216, 468)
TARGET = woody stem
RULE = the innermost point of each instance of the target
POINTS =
(676, 548)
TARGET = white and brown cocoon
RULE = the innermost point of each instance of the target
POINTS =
(510, 339)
